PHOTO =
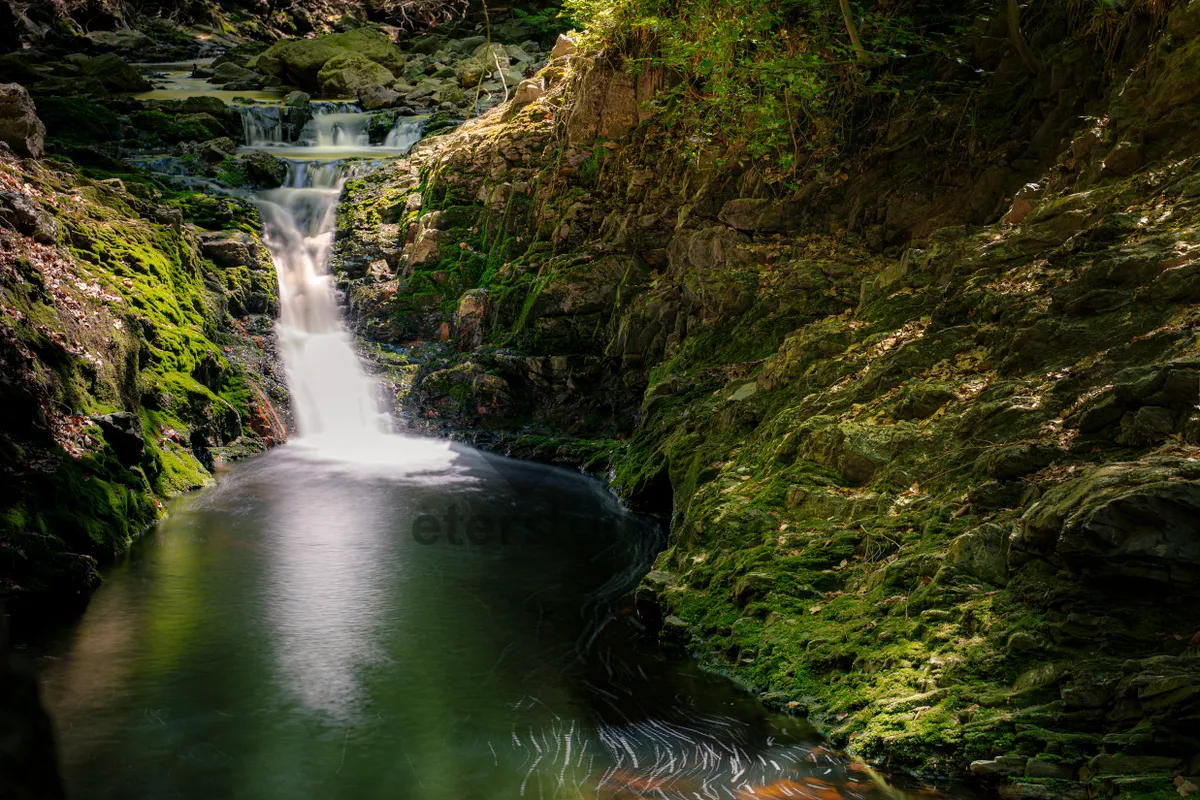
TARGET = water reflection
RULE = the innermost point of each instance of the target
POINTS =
(287, 635)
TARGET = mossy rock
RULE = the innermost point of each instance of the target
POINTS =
(344, 74)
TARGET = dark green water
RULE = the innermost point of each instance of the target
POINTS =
(451, 625)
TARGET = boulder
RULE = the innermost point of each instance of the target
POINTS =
(123, 432)
(298, 62)
(20, 67)
(752, 214)
(20, 127)
(494, 56)
(296, 99)
(518, 54)
(467, 45)
(424, 89)
(86, 86)
(129, 42)
(301, 61)
(1125, 159)
(231, 73)
(116, 75)
(565, 46)
(344, 74)
(231, 249)
(528, 91)
(982, 552)
(214, 151)
(449, 93)
(470, 72)
(24, 216)
(427, 45)
(373, 97)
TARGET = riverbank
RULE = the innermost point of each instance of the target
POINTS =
(925, 437)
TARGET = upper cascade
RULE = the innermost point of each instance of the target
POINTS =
(327, 125)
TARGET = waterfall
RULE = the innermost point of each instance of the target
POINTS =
(343, 129)
(406, 133)
(334, 402)
(262, 125)
(332, 397)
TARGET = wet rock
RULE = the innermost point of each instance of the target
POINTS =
(232, 249)
(214, 151)
(20, 127)
(123, 432)
(25, 216)
(296, 99)
(115, 74)
(374, 96)
(255, 168)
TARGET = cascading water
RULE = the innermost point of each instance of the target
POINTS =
(332, 397)
(334, 401)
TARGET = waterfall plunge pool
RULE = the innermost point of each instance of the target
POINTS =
(439, 624)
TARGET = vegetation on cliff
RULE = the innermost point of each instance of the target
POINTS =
(918, 403)
(131, 361)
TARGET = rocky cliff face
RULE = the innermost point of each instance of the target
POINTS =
(137, 351)
(926, 436)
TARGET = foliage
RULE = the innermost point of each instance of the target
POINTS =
(776, 79)
(1108, 21)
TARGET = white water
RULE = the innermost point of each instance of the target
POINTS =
(334, 401)
(332, 397)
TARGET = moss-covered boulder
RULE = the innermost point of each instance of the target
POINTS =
(346, 73)
(301, 62)
(115, 73)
